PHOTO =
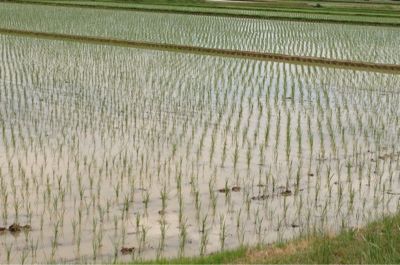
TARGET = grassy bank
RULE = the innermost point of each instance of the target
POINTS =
(377, 243)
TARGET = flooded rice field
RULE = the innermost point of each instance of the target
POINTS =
(118, 154)
(332, 41)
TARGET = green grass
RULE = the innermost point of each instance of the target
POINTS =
(216, 258)
(377, 243)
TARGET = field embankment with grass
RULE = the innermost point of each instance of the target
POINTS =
(315, 61)
(376, 243)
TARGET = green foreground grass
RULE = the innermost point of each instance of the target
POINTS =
(377, 243)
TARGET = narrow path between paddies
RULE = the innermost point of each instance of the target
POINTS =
(209, 13)
(324, 62)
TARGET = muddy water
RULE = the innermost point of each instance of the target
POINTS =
(92, 136)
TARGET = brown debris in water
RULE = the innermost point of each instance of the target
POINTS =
(260, 197)
(127, 250)
(224, 190)
(227, 190)
(286, 192)
(2, 229)
(14, 228)
(392, 193)
(236, 188)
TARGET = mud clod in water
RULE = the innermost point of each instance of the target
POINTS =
(260, 197)
(286, 193)
(127, 250)
(14, 228)
(224, 190)
(236, 188)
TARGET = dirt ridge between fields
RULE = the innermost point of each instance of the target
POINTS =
(294, 59)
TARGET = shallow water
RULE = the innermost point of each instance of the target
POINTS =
(92, 134)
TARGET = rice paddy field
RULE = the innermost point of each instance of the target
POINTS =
(113, 154)
(352, 42)
(373, 15)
